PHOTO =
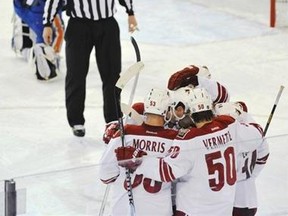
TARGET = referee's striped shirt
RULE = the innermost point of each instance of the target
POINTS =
(87, 9)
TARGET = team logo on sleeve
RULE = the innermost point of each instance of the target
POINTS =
(182, 133)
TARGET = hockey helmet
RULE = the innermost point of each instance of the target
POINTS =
(233, 109)
(181, 98)
(157, 102)
(200, 100)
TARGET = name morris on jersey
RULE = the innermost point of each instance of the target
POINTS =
(217, 141)
(147, 145)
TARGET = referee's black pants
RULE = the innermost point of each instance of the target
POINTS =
(81, 36)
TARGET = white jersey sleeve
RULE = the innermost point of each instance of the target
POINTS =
(109, 169)
(250, 136)
(262, 157)
(250, 164)
(218, 92)
(246, 194)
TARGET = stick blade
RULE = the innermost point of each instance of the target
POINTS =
(129, 73)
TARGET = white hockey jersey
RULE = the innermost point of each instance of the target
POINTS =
(204, 162)
(218, 92)
(150, 197)
(250, 164)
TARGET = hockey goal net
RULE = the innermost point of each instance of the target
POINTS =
(278, 13)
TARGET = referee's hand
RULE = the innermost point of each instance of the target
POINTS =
(132, 24)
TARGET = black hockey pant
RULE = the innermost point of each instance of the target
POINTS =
(81, 36)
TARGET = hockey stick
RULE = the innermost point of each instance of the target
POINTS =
(129, 74)
(127, 171)
(126, 109)
(273, 109)
(138, 59)
(122, 81)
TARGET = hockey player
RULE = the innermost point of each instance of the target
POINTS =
(150, 197)
(29, 16)
(203, 159)
(250, 163)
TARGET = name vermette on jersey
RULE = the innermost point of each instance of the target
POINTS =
(147, 145)
(217, 141)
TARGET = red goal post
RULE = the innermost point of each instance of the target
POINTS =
(278, 13)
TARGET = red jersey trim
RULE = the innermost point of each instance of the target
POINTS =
(222, 94)
(108, 181)
(166, 173)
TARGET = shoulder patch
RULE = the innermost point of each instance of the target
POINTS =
(182, 132)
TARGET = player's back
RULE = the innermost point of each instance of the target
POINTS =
(209, 156)
(150, 197)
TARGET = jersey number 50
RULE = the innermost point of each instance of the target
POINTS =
(226, 171)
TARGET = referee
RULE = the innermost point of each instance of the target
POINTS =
(91, 24)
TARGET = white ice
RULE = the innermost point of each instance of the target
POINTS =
(56, 173)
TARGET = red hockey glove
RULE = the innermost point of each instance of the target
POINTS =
(129, 157)
(184, 78)
(139, 107)
(110, 130)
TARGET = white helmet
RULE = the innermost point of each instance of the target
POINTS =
(200, 100)
(229, 108)
(157, 102)
(181, 97)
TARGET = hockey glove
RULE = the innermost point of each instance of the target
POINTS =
(184, 77)
(110, 130)
(139, 107)
(129, 157)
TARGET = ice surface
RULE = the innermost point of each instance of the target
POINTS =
(58, 172)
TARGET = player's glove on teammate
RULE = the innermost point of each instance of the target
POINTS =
(129, 157)
(184, 77)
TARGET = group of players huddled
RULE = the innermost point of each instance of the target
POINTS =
(196, 153)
